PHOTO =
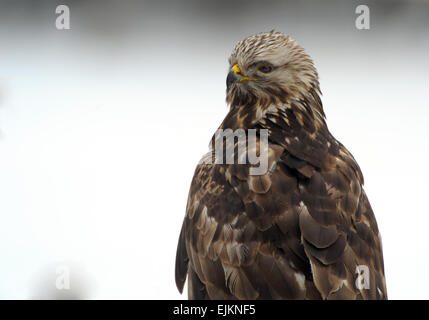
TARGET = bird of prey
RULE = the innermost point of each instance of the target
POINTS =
(304, 228)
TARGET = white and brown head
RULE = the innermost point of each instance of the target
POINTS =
(269, 67)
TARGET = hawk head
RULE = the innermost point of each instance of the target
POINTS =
(269, 67)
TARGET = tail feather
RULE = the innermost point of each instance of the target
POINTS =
(182, 261)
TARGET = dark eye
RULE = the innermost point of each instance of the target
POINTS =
(265, 68)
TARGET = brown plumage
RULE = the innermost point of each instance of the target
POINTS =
(300, 230)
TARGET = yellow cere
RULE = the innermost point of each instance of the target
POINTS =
(237, 71)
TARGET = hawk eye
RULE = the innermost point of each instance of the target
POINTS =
(265, 68)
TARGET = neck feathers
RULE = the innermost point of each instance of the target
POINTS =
(248, 111)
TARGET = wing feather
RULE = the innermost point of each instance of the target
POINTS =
(300, 231)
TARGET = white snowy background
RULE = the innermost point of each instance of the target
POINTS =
(101, 127)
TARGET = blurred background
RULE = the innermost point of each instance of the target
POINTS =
(102, 125)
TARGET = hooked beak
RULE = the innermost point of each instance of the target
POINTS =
(231, 78)
(235, 76)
